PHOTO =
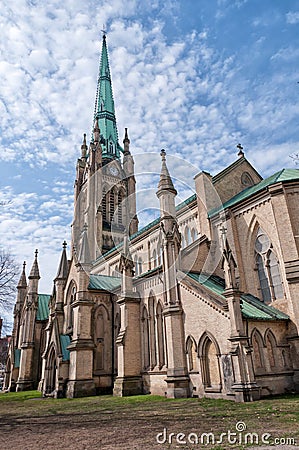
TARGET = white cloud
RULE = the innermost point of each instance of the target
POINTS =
(182, 93)
(292, 17)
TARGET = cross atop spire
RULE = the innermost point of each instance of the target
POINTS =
(104, 112)
(34, 273)
(63, 265)
(104, 31)
(240, 153)
(23, 282)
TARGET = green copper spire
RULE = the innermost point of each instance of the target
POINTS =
(104, 109)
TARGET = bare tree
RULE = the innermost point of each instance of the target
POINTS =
(8, 280)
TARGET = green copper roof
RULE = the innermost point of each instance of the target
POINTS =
(104, 109)
(103, 282)
(65, 340)
(252, 308)
(43, 307)
(281, 176)
(17, 357)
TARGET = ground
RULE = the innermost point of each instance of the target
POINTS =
(29, 422)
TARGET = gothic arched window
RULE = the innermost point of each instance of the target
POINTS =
(188, 237)
(101, 331)
(271, 346)
(71, 296)
(267, 266)
(152, 331)
(145, 339)
(136, 265)
(258, 351)
(154, 258)
(104, 206)
(119, 208)
(246, 180)
(139, 266)
(191, 353)
(160, 336)
(112, 205)
(193, 234)
(209, 355)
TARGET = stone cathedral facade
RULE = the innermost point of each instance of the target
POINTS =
(203, 301)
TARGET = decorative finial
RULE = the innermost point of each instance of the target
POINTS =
(24, 265)
(163, 154)
(223, 235)
(36, 253)
(241, 153)
(84, 147)
(64, 244)
(96, 131)
(126, 138)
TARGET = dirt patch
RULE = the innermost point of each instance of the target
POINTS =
(92, 424)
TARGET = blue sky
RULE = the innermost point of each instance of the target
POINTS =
(193, 77)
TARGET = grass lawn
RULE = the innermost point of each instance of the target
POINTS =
(145, 422)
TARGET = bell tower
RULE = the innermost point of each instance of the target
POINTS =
(105, 200)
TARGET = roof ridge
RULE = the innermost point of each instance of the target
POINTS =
(256, 188)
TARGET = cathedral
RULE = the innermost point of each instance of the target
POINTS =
(201, 302)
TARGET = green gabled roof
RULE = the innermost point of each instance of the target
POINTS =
(43, 307)
(103, 282)
(281, 176)
(156, 221)
(252, 308)
(148, 226)
(65, 341)
(145, 228)
(186, 202)
(17, 356)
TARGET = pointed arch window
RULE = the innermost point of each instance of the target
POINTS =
(119, 208)
(209, 354)
(193, 234)
(51, 372)
(160, 336)
(188, 237)
(271, 346)
(112, 204)
(191, 353)
(159, 253)
(140, 266)
(152, 332)
(136, 265)
(267, 266)
(104, 206)
(258, 351)
(70, 310)
(102, 338)
(145, 339)
(154, 258)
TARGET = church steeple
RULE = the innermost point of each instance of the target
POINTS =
(104, 114)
